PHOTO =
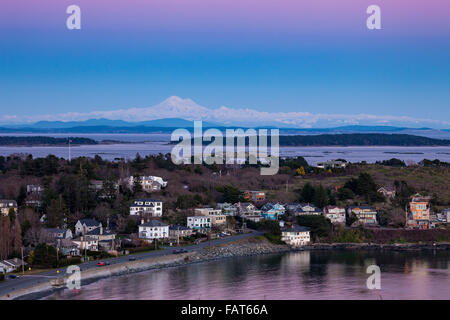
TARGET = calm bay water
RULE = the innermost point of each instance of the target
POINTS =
(299, 275)
(312, 154)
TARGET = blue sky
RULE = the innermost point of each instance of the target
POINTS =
(48, 70)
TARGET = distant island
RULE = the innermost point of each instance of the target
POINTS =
(356, 139)
(43, 141)
(323, 140)
(361, 139)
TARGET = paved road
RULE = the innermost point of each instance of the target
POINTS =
(31, 280)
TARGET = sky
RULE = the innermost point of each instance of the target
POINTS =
(302, 58)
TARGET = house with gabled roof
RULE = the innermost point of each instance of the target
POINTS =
(153, 230)
(86, 225)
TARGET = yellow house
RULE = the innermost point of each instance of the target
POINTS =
(6, 205)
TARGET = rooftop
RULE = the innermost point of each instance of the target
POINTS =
(153, 223)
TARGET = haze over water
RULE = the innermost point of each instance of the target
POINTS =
(299, 275)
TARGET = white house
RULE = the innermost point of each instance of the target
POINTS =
(335, 214)
(244, 208)
(153, 229)
(86, 225)
(295, 235)
(10, 265)
(149, 183)
(199, 222)
(332, 164)
(147, 207)
(86, 242)
(387, 192)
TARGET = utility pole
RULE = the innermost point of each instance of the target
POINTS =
(178, 237)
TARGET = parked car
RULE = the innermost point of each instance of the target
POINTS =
(101, 264)
(13, 276)
(132, 259)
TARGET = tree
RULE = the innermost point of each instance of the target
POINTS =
(300, 171)
(44, 256)
(320, 196)
(307, 193)
(230, 193)
(17, 236)
(319, 226)
(22, 196)
(56, 213)
(345, 193)
(269, 226)
(137, 185)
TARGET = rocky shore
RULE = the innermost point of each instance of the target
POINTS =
(259, 246)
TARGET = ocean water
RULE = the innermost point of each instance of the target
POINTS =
(299, 275)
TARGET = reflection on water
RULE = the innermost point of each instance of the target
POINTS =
(301, 275)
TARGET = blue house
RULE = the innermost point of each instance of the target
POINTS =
(271, 211)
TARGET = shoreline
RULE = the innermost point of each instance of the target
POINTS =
(240, 248)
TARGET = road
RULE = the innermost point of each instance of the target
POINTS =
(27, 281)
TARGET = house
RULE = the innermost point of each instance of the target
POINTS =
(245, 208)
(365, 214)
(254, 196)
(6, 206)
(101, 234)
(387, 192)
(86, 242)
(332, 164)
(335, 214)
(306, 209)
(96, 185)
(217, 218)
(199, 222)
(253, 217)
(68, 248)
(177, 231)
(227, 209)
(153, 230)
(10, 265)
(446, 214)
(272, 211)
(147, 207)
(149, 183)
(34, 189)
(86, 225)
(208, 211)
(57, 233)
(418, 212)
(295, 235)
(34, 193)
